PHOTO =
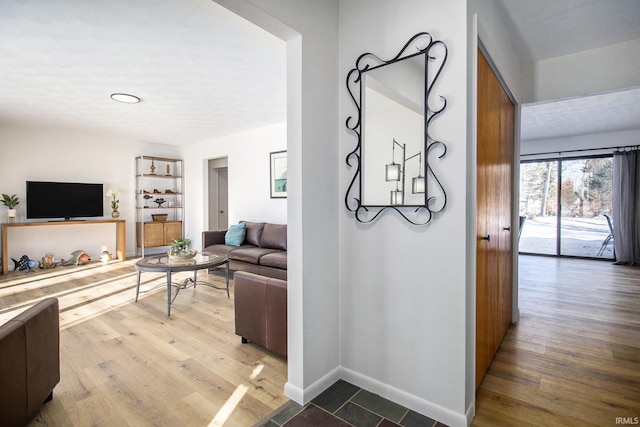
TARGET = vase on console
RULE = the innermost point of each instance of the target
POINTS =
(113, 194)
(11, 202)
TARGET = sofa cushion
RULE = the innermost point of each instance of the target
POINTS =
(275, 259)
(274, 236)
(235, 234)
(249, 254)
(223, 250)
(254, 231)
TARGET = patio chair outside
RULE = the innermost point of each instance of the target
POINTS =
(608, 239)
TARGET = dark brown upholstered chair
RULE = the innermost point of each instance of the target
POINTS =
(29, 362)
(261, 311)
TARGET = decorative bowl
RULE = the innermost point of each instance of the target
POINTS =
(159, 217)
(182, 256)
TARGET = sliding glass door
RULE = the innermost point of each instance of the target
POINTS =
(538, 203)
(565, 204)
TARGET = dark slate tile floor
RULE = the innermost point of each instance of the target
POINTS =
(344, 404)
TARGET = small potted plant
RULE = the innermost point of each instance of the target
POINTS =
(114, 202)
(11, 202)
(180, 250)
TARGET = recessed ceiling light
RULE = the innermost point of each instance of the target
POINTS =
(125, 97)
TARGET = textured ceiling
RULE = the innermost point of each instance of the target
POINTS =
(200, 70)
(550, 28)
(203, 72)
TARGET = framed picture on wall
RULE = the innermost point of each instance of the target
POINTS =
(278, 161)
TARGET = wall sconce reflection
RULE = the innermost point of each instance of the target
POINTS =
(396, 172)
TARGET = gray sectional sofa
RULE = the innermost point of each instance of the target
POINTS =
(263, 251)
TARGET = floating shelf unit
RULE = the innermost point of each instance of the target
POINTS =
(159, 191)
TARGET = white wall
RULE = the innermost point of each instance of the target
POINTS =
(310, 29)
(493, 31)
(60, 154)
(598, 70)
(248, 168)
(403, 287)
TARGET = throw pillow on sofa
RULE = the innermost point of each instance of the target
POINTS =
(235, 235)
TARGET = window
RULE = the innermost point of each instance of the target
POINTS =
(566, 203)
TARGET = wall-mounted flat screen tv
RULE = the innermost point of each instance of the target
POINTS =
(64, 200)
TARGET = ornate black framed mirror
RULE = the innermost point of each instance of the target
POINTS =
(395, 110)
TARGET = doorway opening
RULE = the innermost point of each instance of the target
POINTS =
(218, 194)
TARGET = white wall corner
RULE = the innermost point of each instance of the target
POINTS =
(471, 413)
(304, 396)
(471, 221)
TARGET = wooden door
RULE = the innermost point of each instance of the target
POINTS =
(494, 271)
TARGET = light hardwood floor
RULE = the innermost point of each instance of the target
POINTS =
(574, 357)
(128, 364)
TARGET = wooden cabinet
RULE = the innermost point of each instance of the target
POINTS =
(159, 201)
(157, 233)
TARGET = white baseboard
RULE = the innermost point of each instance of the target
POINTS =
(471, 412)
(430, 409)
(304, 396)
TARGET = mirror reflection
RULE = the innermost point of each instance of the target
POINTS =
(393, 133)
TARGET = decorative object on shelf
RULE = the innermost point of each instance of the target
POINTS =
(159, 201)
(146, 198)
(106, 256)
(11, 202)
(394, 102)
(156, 191)
(180, 250)
(113, 194)
(168, 169)
(48, 261)
(278, 175)
(159, 217)
(78, 257)
(153, 168)
(24, 263)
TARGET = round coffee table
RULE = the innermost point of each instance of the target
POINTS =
(163, 264)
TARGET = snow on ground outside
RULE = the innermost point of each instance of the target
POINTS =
(579, 236)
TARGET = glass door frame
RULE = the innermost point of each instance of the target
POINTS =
(558, 161)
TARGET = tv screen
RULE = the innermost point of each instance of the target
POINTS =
(64, 200)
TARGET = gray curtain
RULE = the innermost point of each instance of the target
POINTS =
(626, 206)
